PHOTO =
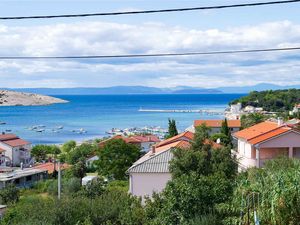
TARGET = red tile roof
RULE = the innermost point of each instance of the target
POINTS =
(5, 137)
(182, 140)
(262, 132)
(177, 144)
(16, 142)
(218, 123)
(133, 139)
(50, 166)
(182, 136)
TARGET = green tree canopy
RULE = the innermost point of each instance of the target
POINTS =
(68, 146)
(202, 177)
(252, 119)
(39, 152)
(9, 194)
(172, 131)
(116, 157)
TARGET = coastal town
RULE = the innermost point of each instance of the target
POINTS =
(146, 159)
(149, 112)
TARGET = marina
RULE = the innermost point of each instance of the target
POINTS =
(202, 111)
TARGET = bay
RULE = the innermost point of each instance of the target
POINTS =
(99, 113)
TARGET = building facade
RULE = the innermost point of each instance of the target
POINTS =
(14, 150)
(265, 141)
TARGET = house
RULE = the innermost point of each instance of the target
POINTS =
(215, 125)
(151, 172)
(265, 141)
(14, 150)
(21, 177)
(143, 141)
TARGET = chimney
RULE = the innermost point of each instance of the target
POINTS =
(152, 149)
(279, 121)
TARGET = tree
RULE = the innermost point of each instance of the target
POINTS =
(9, 194)
(79, 152)
(202, 178)
(227, 134)
(172, 128)
(68, 146)
(39, 152)
(252, 119)
(79, 169)
(116, 157)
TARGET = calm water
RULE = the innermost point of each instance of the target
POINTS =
(98, 114)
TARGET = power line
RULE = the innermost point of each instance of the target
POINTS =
(149, 55)
(150, 11)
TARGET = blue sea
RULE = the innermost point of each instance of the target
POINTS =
(99, 113)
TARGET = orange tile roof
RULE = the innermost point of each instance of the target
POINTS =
(269, 135)
(132, 139)
(5, 137)
(185, 135)
(258, 129)
(177, 144)
(16, 142)
(262, 132)
(50, 166)
(217, 123)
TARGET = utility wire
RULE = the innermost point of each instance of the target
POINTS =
(150, 11)
(149, 55)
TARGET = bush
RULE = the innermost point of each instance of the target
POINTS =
(9, 194)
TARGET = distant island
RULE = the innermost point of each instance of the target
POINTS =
(13, 98)
(145, 90)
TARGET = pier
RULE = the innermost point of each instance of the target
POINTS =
(204, 111)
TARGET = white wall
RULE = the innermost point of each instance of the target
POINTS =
(144, 184)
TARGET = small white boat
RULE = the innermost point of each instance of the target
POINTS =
(59, 127)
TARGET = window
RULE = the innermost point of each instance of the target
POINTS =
(28, 178)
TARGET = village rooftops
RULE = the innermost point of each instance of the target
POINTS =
(218, 123)
(263, 131)
(136, 139)
(12, 140)
(50, 166)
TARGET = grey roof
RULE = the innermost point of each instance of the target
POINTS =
(158, 163)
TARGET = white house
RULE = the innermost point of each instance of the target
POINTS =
(265, 141)
(14, 150)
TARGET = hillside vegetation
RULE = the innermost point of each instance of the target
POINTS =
(275, 101)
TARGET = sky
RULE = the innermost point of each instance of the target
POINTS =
(198, 31)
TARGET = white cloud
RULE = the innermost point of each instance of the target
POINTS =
(90, 38)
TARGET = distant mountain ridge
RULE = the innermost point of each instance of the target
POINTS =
(131, 90)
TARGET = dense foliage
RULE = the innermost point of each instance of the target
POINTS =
(252, 119)
(172, 130)
(202, 178)
(9, 194)
(115, 157)
(41, 152)
(274, 101)
(273, 193)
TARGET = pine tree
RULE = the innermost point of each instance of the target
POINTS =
(226, 131)
(172, 128)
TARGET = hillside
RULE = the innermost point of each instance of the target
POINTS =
(275, 101)
(13, 98)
